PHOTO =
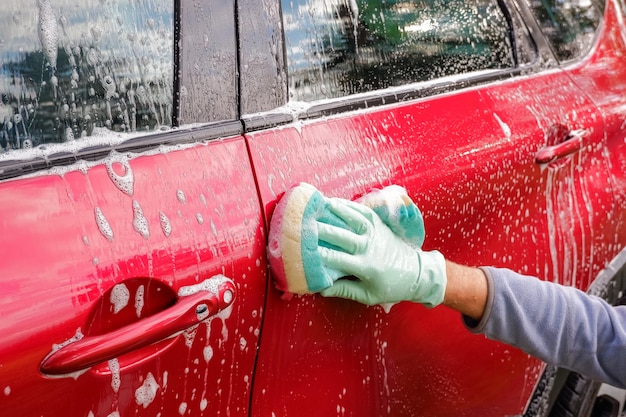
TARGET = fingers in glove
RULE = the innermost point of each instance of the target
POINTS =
(341, 261)
(351, 290)
(365, 211)
(352, 214)
(343, 239)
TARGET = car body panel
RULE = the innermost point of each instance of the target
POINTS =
(76, 244)
(467, 159)
(602, 76)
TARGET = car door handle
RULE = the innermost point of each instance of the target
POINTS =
(188, 311)
(573, 143)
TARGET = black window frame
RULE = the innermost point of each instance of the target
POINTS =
(199, 132)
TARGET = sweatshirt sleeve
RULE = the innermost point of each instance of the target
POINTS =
(560, 325)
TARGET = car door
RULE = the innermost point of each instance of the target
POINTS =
(133, 264)
(502, 152)
(597, 68)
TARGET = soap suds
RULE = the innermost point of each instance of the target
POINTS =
(119, 297)
(116, 381)
(125, 183)
(140, 223)
(145, 394)
(166, 225)
(139, 300)
(103, 224)
(48, 32)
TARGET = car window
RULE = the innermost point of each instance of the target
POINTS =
(569, 25)
(73, 69)
(340, 47)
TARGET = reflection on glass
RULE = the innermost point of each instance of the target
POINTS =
(569, 25)
(75, 68)
(341, 47)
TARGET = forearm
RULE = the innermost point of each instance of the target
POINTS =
(560, 325)
(466, 290)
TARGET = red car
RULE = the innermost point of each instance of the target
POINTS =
(145, 144)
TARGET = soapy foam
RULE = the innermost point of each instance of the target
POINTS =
(48, 32)
(181, 196)
(145, 394)
(166, 226)
(103, 224)
(116, 381)
(125, 183)
(140, 223)
(139, 300)
(119, 297)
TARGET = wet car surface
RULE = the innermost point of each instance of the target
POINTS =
(145, 145)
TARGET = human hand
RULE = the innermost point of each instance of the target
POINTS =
(387, 268)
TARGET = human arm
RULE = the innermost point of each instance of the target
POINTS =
(466, 290)
(557, 324)
(560, 325)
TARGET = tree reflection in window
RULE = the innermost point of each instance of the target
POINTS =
(569, 25)
(76, 68)
(341, 47)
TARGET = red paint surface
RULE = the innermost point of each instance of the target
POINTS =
(485, 202)
(50, 284)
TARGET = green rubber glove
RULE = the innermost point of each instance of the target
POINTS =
(387, 268)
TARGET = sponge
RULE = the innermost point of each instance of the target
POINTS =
(293, 240)
(396, 209)
(292, 243)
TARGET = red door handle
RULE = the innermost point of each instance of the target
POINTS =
(188, 311)
(572, 144)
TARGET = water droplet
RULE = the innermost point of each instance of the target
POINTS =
(96, 33)
(69, 134)
(208, 353)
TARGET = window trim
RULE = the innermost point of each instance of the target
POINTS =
(321, 108)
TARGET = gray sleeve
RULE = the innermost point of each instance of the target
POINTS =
(557, 324)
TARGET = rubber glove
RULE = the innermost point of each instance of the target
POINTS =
(387, 268)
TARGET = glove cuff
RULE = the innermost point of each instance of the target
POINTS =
(430, 286)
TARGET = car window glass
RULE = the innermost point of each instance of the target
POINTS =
(340, 47)
(569, 25)
(73, 69)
